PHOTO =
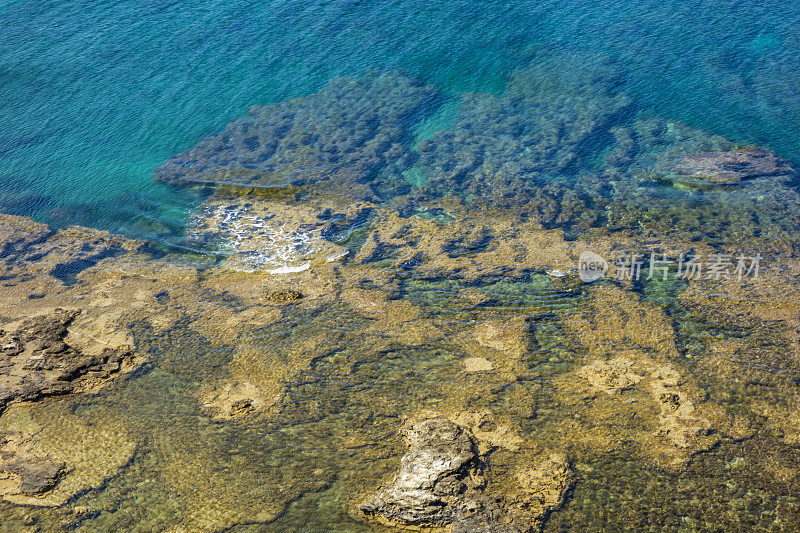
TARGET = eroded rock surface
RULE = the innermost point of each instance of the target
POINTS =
(440, 466)
(440, 484)
(632, 384)
(35, 360)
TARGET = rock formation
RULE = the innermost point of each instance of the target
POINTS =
(36, 362)
(730, 167)
(440, 483)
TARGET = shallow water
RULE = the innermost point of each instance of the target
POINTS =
(506, 125)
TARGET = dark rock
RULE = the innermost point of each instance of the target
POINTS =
(35, 475)
(13, 346)
(42, 364)
(241, 407)
(32, 474)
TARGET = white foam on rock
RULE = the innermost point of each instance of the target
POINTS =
(257, 243)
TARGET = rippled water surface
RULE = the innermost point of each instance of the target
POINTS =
(97, 95)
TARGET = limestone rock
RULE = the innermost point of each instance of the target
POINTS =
(477, 364)
(234, 399)
(438, 468)
(440, 483)
(24, 473)
(541, 489)
(35, 360)
(277, 236)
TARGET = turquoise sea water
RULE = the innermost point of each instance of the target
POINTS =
(94, 96)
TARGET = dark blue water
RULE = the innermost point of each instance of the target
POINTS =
(94, 96)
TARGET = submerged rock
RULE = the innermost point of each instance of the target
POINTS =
(354, 126)
(632, 389)
(24, 473)
(506, 149)
(734, 166)
(48, 457)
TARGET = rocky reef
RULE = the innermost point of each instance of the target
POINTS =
(546, 123)
(335, 347)
(561, 145)
(353, 128)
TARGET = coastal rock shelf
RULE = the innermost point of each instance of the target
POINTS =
(441, 359)
(274, 235)
(340, 344)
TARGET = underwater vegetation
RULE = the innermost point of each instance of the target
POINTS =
(373, 333)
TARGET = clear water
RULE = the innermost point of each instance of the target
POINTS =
(94, 96)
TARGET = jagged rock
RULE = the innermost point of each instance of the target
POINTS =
(440, 466)
(440, 483)
(35, 360)
(733, 166)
